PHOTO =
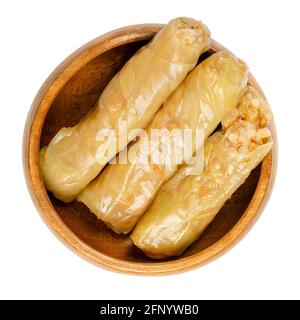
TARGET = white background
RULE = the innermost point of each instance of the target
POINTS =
(35, 36)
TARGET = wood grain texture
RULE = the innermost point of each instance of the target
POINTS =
(68, 94)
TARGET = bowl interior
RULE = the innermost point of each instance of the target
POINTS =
(76, 98)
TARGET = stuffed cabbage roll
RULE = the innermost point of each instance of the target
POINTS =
(76, 155)
(187, 204)
(121, 194)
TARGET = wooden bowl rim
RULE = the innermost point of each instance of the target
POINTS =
(31, 140)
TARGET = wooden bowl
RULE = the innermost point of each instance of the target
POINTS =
(66, 96)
